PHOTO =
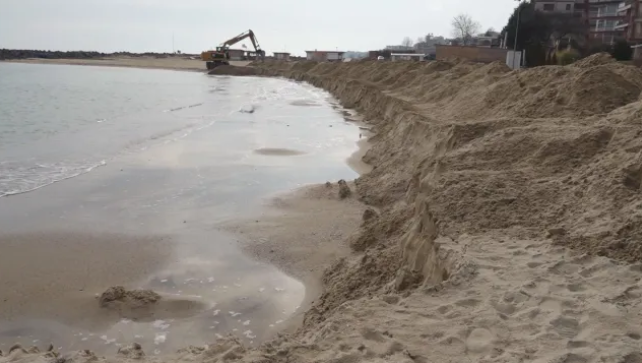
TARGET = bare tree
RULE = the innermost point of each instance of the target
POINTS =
(407, 42)
(464, 28)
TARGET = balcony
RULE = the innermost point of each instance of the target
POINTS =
(621, 26)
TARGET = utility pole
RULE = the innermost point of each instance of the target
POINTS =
(173, 48)
(519, 11)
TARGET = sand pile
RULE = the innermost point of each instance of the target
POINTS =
(230, 70)
(481, 176)
(118, 295)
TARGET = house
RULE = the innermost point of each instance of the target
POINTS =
(236, 54)
(282, 56)
(427, 47)
(400, 49)
(406, 56)
(471, 53)
(324, 55)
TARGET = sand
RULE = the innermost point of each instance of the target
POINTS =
(77, 266)
(172, 63)
(503, 220)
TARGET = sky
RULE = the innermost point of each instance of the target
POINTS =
(196, 25)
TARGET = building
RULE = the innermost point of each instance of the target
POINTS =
(473, 54)
(324, 55)
(282, 56)
(603, 19)
(599, 16)
(631, 22)
(427, 47)
(406, 57)
(558, 6)
(400, 49)
(236, 54)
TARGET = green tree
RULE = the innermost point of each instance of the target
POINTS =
(538, 31)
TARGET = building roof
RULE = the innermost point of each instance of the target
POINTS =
(281, 52)
(324, 51)
(409, 54)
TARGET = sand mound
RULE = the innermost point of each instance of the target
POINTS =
(117, 295)
(593, 60)
(232, 71)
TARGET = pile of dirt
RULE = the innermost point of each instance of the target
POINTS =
(118, 296)
(229, 70)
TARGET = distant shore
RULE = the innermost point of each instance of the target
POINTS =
(172, 63)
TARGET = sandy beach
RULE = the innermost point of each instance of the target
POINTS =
(172, 63)
(499, 223)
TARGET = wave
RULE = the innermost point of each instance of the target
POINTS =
(16, 179)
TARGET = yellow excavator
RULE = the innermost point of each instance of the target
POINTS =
(221, 56)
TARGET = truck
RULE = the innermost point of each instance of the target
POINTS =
(220, 56)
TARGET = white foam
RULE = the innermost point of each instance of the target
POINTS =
(247, 322)
(160, 338)
(160, 324)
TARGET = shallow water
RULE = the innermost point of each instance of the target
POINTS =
(178, 153)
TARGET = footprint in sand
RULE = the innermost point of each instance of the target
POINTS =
(479, 340)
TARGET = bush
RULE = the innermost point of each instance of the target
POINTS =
(622, 51)
(567, 57)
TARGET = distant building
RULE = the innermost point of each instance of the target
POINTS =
(406, 56)
(427, 47)
(324, 55)
(400, 49)
(282, 56)
(558, 6)
(473, 54)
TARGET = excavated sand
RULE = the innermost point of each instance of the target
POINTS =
(482, 178)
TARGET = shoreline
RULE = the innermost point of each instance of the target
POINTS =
(312, 284)
(467, 253)
(177, 64)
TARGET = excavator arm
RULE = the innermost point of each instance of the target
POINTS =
(220, 56)
(247, 34)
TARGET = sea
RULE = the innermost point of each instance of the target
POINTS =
(59, 122)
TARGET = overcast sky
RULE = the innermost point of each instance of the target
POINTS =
(280, 25)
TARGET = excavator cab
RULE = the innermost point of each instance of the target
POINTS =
(215, 58)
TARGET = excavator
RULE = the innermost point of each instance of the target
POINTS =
(221, 56)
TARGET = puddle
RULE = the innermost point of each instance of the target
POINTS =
(178, 187)
(278, 152)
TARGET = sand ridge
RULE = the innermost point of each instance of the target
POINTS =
(482, 177)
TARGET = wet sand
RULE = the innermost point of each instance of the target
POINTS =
(151, 220)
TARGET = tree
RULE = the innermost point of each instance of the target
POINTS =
(464, 28)
(407, 42)
(540, 34)
(490, 31)
(622, 51)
